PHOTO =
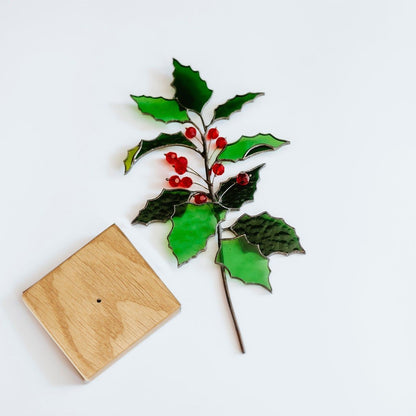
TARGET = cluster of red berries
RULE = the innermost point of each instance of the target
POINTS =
(180, 164)
(175, 181)
(212, 134)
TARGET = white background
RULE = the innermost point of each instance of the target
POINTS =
(337, 336)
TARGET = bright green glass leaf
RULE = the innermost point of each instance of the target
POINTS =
(161, 141)
(162, 207)
(191, 90)
(246, 146)
(161, 109)
(232, 195)
(192, 225)
(234, 104)
(271, 234)
(244, 261)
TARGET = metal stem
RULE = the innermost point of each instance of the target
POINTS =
(213, 199)
(227, 295)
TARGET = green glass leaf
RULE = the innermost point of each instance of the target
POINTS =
(246, 146)
(232, 195)
(191, 90)
(273, 235)
(244, 261)
(161, 109)
(162, 207)
(224, 111)
(128, 161)
(161, 141)
(192, 225)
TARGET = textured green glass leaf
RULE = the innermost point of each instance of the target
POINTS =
(161, 109)
(161, 141)
(246, 146)
(192, 225)
(191, 90)
(232, 195)
(244, 261)
(273, 235)
(234, 104)
(162, 207)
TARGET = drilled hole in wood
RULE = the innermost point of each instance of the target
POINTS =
(98, 300)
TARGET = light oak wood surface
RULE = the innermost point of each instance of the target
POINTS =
(100, 302)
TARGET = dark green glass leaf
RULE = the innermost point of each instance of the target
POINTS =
(161, 109)
(192, 225)
(191, 90)
(161, 141)
(162, 207)
(234, 104)
(246, 146)
(271, 234)
(232, 195)
(244, 261)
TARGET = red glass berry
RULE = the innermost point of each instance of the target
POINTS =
(182, 161)
(181, 165)
(243, 178)
(174, 181)
(190, 132)
(200, 199)
(180, 169)
(171, 157)
(186, 182)
(221, 142)
(212, 134)
(218, 169)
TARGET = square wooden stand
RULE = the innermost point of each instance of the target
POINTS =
(100, 302)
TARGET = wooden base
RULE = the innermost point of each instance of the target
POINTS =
(100, 302)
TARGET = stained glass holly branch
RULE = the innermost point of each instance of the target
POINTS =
(194, 204)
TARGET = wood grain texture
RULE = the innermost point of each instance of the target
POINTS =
(100, 302)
